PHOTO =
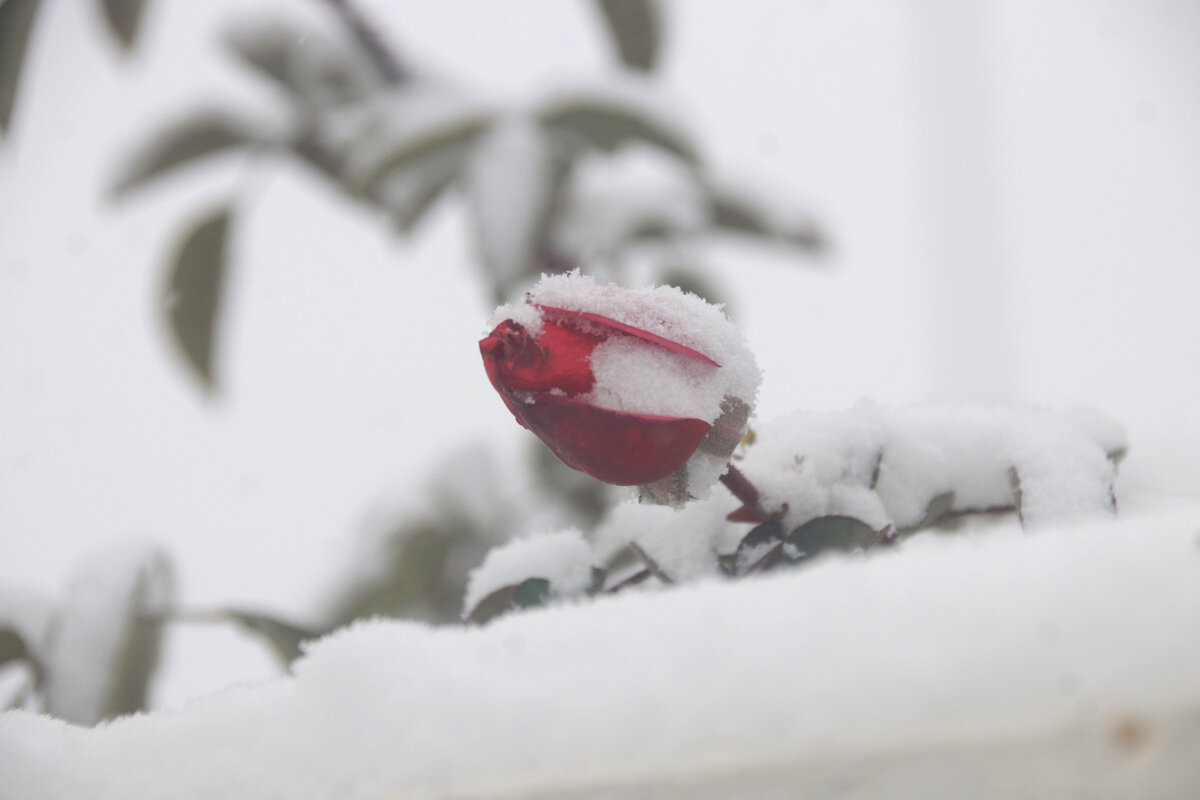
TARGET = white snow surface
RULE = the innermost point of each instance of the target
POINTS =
(951, 662)
(635, 376)
(562, 557)
(885, 465)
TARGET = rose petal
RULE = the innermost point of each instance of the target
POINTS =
(647, 336)
(613, 446)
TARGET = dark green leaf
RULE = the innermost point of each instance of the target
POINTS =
(531, 592)
(16, 21)
(199, 136)
(124, 17)
(606, 123)
(283, 637)
(528, 593)
(12, 646)
(635, 27)
(449, 143)
(834, 532)
(194, 292)
(762, 540)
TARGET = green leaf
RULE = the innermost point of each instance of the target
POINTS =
(741, 213)
(124, 18)
(607, 123)
(635, 27)
(16, 21)
(758, 546)
(835, 532)
(449, 142)
(194, 292)
(302, 62)
(938, 507)
(12, 646)
(526, 594)
(199, 136)
(283, 637)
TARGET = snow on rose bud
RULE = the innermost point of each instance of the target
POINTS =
(649, 387)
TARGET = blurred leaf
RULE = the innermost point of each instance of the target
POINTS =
(203, 134)
(1014, 482)
(302, 62)
(421, 201)
(449, 141)
(104, 641)
(511, 182)
(16, 21)
(268, 48)
(282, 636)
(12, 646)
(607, 123)
(526, 594)
(743, 213)
(635, 27)
(124, 17)
(193, 297)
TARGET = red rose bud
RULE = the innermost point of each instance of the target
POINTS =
(648, 387)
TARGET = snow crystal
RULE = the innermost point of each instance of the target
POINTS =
(563, 558)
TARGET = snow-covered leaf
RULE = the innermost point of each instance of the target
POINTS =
(563, 559)
(635, 27)
(194, 292)
(200, 135)
(16, 20)
(103, 642)
(307, 64)
(124, 19)
(417, 149)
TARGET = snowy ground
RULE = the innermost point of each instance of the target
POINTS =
(1000, 663)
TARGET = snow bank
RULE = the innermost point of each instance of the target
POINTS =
(1061, 663)
(886, 465)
